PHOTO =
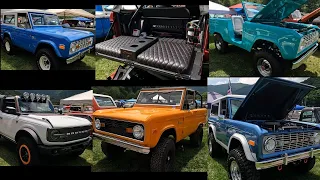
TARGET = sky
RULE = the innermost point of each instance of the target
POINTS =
(249, 80)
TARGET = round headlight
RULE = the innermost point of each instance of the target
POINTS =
(54, 135)
(270, 144)
(73, 47)
(317, 138)
(26, 95)
(32, 96)
(97, 123)
(138, 131)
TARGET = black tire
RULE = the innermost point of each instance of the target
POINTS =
(12, 48)
(270, 61)
(163, 156)
(246, 168)
(28, 153)
(222, 45)
(215, 150)
(111, 151)
(303, 167)
(77, 153)
(196, 137)
(51, 57)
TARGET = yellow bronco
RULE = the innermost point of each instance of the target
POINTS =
(160, 118)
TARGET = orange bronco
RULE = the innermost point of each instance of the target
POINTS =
(160, 118)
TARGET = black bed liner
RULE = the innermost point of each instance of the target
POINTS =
(169, 56)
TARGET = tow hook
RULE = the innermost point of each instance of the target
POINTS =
(279, 167)
(305, 161)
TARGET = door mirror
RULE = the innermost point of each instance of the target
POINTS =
(60, 111)
(11, 110)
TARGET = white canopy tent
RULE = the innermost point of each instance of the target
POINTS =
(215, 8)
(84, 98)
(71, 12)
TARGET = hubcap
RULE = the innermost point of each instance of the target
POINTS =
(235, 171)
(218, 45)
(7, 45)
(44, 62)
(264, 67)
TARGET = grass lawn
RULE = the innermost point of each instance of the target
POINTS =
(9, 157)
(238, 62)
(23, 60)
(105, 67)
(188, 159)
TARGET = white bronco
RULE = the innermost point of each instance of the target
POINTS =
(30, 122)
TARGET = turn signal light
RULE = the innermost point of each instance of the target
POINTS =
(129, 130)
(252, 143)
(61, 46)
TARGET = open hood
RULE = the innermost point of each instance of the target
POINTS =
(271, 99)
(275, 10)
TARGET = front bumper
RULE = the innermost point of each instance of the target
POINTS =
(123, 144)
(300, 60)
(286, 159)
(65, 149)
(78, 55)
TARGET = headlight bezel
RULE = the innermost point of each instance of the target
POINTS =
(140, 128)
(97, 122)
(265, 144)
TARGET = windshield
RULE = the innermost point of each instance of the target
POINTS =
(310, 116)
(104, 101)
(44, 19)
(36, 107)
(253, 9)
(235, 104)
(160, 97)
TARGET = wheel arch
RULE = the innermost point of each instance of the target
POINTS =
(169, 132)
(237, 140)
(268, 42)
(26, 132)
(47, 44)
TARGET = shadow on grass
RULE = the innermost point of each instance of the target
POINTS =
(9, 154)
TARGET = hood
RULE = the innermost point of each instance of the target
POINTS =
(277, 10)
(71, 34)
(61, 121)
(271, 99)
(134, 113)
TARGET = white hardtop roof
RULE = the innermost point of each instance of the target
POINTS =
(4, 11)
(102, 95)
(229, 96)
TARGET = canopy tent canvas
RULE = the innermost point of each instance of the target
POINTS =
(215, 8)
(71, 12)
(84, 98)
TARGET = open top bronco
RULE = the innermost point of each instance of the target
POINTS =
(30, 122)
(278, 46)
(255, 133)
(160, 118)
(165, 42)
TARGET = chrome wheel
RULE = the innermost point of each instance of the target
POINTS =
(7, 46)
(264, 67)
(235, 171)
(44, 63)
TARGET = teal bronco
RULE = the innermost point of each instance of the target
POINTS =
(277, 46)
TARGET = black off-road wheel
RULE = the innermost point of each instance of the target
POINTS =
(305, 165)
(215, 149)
(239, 168)
(111, 151)
(196, 137)
(163, 156)
(28, 153)
(8, 46)
(266, 64)
(220, 44)
(47, 60)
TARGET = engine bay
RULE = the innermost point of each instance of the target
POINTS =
(283, 125)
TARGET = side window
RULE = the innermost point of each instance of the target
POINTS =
(23, 21)
(214, 109)
(223, 108)
(37, 19)
(191, 99)
(8, 103)
(9, 19)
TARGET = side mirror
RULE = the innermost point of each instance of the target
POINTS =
(11, 110)
(60, 111)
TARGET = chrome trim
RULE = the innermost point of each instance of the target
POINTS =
(123, 144)
(77, 56)
(300, 61)
(286, 159)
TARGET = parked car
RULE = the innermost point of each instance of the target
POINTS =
(158, 43)
(40, 33)
(311, 18)
(30, 122)
(255, 133)
(310, 114)
(128, 104)
(160, 118)
(277, 46)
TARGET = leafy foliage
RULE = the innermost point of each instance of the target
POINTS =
(313, 98)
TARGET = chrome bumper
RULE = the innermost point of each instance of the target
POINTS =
(300, 61)
(124, 144)
(78, 56)
(286, 159)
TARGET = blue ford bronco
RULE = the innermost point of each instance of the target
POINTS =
(255, 133)
(277, 46)
(40, 33)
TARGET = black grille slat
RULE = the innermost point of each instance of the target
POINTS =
(118, 127)
(294, 141)
(75, 133)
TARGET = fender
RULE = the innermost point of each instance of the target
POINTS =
(52, 44)
(249, 155)
(166, 128)
(211, 126)
(32, 133)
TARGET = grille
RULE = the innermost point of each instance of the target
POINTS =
(82, 44)
(75, 133)
(310, 38)
(294, 141)
(117, 127)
